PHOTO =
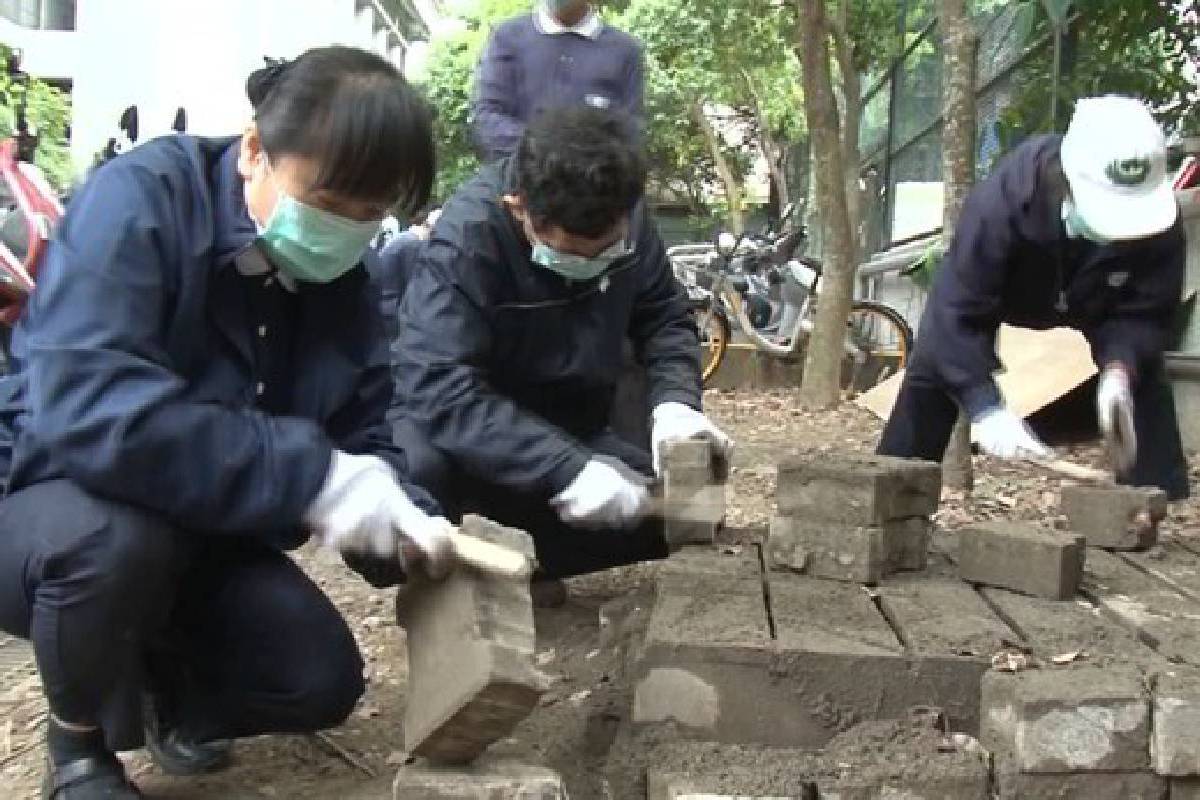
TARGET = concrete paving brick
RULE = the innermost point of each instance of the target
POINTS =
(707, 639)
(712, 771)
(1115, 517)
(857, 489)
(901, 759)
(1067, 721)
(710, 664)
(951, 635)
(851, 553)
(1023, 558)
(1012, 785)
(1051, 629)
(1175, 741)
(906, 543)
(471, 676)
(487, 779)
(693, 495)
(1159, 614)
(894, 764)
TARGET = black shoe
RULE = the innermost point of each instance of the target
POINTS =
(181, 757)
(98, 778)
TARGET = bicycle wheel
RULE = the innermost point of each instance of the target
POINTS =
(714, 338)
(884, 341)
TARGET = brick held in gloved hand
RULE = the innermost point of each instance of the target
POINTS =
(471, 673)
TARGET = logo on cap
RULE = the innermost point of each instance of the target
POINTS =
(1128, 171)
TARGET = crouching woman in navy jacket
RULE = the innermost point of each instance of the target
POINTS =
(201, 385)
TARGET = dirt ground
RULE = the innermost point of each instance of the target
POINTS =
(575, 730)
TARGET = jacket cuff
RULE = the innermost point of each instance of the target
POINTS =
(688, 398)
(566, 471)
(979, 398)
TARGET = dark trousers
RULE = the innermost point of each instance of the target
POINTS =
(229, 634)
(924, 415)
(562, 551)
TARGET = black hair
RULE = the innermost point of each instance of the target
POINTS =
(580, 169)
(353, 113)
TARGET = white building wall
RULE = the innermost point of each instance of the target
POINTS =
(164, 54)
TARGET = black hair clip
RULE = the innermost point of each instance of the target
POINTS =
(275, 68)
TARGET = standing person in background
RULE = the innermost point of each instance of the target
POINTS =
(561, 54)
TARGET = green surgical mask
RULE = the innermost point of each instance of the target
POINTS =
(578, 268)
(1077, 227)
(314, 245)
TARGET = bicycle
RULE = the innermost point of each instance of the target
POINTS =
(717, 278)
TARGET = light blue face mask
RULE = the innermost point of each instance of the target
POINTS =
(578, 268)
(1077, 227)
(314, 245)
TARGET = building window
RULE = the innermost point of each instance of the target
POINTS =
(48, 15)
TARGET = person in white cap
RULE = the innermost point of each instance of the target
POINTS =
(1081, 231)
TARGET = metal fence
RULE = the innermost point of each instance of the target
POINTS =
(901, 134)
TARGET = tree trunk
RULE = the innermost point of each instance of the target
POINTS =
(772, 153)
(843, 49)
(958, 174)
(823, 362)
(729, 179)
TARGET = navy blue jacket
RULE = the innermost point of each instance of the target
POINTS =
(509, 368)
(152, 369)
(1011, 258)
(524, 71)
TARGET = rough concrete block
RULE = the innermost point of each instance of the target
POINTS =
(693, 493)
(1011, 785)
(1115, 517)
(1023, 558)
(906, 543)
(851, 553)
(858, 489)
(904, 760)
(1162, 615)
(950, 634)
(1066, 721)
(471, 676)
(1175, 742)
(693, 770)
(484, 780)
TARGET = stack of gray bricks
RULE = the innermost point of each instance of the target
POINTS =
(1088, 732)
(693, 493)
(853, 517)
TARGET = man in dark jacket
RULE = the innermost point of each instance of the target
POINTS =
(560, 55)
(511, 345)
(1078, 231)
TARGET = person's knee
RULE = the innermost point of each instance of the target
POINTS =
(326, 691)
(427, 466)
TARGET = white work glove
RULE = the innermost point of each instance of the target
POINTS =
(1003, 434)
(675, 422)
(1114, 411)
(361, 510)
(603, 495)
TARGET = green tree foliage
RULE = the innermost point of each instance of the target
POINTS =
(1143, 48)
(48, 111)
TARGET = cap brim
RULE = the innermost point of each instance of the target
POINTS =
(1119, 216)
